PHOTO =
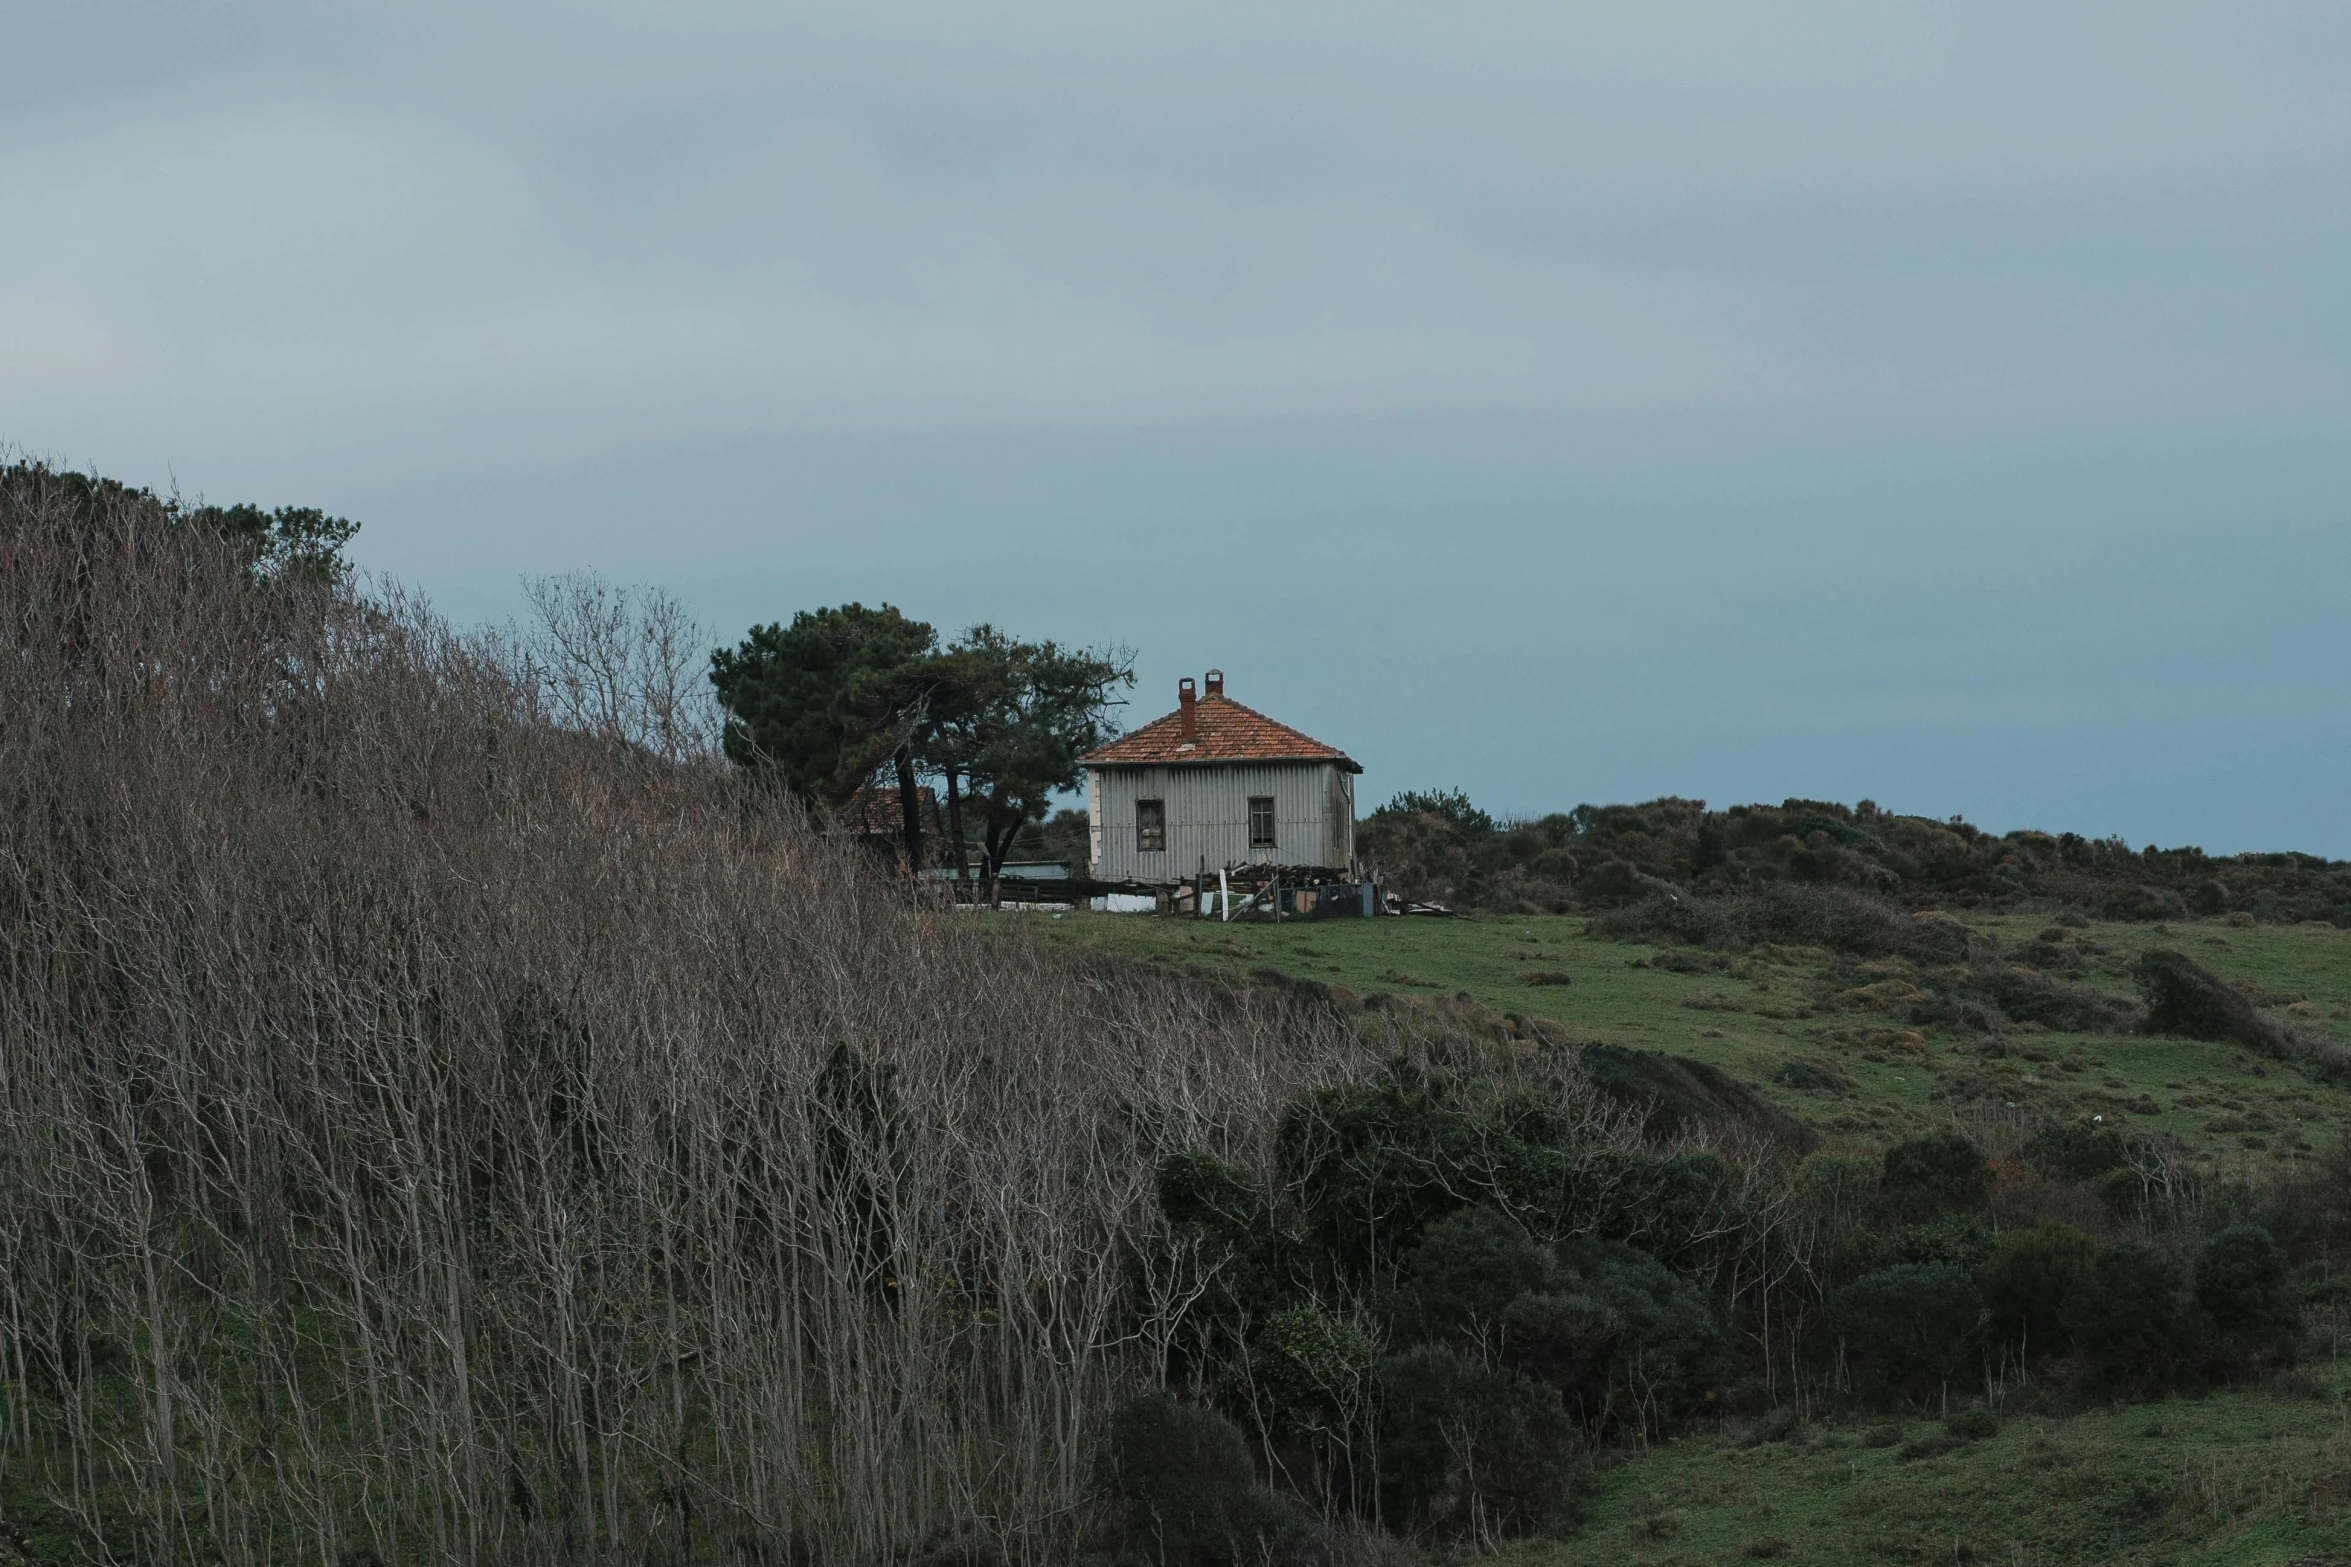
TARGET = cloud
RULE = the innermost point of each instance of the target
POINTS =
(301, 267)
(1036, 219)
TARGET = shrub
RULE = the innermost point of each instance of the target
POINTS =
(1624, 1339)
(2134, 1319)
(2032, 1280)
(1305, 1373)
(1662, 1206)
(1972, 1425)
(1776, 1425)
(2243, 1284)
(1809, 916)
(1462, 1445)
(1611, 1329)
(1842, 1185)
(1812, 1076)
(1375, 1164)
(1959, 1239)
(2029, 997)
(2310, 1213)
(1912, 1325)
(1462, 1277)
(1940, 1173)
(1450, 806)
(1190, 1495)
(2184, 997)
(2075, 1150)
(1223, 1229)
(1678, 1095)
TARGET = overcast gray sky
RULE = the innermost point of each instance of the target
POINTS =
(1946, 404)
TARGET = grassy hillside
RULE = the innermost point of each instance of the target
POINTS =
(2244, 1476)
(1779, 1021)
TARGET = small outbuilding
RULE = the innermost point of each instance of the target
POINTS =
(1216, 786)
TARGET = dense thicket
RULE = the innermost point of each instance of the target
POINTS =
(1441, 846)
(431, 1133)
(1455, 1286)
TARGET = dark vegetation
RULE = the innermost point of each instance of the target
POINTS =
(1440, 846)
(1456, 1288)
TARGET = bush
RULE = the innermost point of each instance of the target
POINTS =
(2032, 1280)
(2310, 1213)
(1661, 1206)
(1937, 1174)
(1679, 1095)
(1624, 1338)
(2183, 997)
(1806, 916)
(1221, 1224)
(1912, 1326)
(2244, 1284)
(1462, 1277)
(1838, 1185)
(2076, 1150)
(1374, 1165)
(1972, 1425)
(1959, 1239)
(1191, 1498)
(1305, 1373)
(2134, 1319)
(1450, 806)
(2025, 996)
(1462, 1445)
(1608, 1327)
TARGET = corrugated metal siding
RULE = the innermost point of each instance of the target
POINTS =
(1208, 817)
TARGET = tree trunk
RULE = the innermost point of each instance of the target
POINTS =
(910, 809)
(955, 824)
(995, 844)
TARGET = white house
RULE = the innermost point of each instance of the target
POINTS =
(1215, 785)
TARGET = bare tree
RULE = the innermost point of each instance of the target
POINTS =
(624, 664)
(432, 1130)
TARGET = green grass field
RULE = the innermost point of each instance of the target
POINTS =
(2251, 1475)
(1763, 1012)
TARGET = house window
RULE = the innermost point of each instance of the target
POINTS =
(1261, 821)
(1151, 826)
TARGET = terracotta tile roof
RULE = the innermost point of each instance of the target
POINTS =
(1223, 731)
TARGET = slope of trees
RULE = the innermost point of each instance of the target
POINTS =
(429, 1132)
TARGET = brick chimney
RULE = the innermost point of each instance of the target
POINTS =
(1187, 723)
(1216, 682)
